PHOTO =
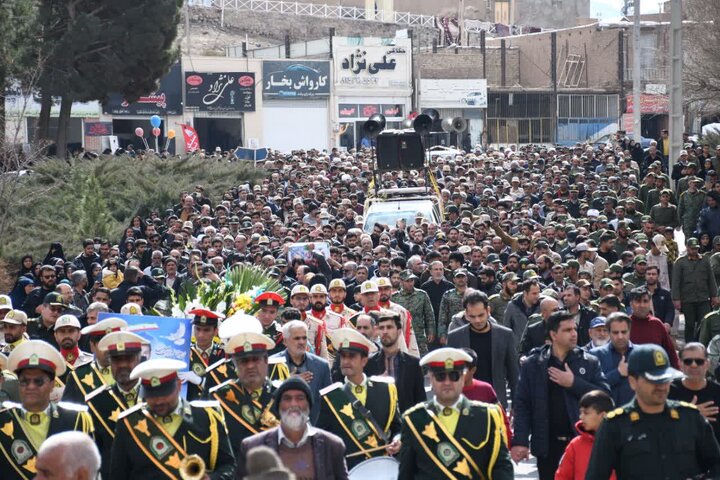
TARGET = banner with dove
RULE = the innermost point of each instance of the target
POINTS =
(169, 337)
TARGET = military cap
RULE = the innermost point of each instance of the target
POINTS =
(67, 321)
(510, 277)
(5, 302)
(639, 259)
(158, 376)
(205, 317)
(692, 242)
(273, 299)
(493, 258)
(460, 272)
(368, 286)
(122, 343)
(249, 343)
(408, 275)
(15, 317)
(337, 283)
(299, 290)
(36, 354)
(606, 283)
(237, 323)
(582, 283)
(666, 191)
(54, 299)
(446, 360)
(572, 263)
(318, 288)
(131, 308)
(349, 339)
(105, 327)
(383, 282)
(651, 362)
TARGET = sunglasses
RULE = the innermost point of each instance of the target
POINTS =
(37, 381)
(454, 376)
(690, 361)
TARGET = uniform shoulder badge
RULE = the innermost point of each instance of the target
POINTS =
(382, 379)
(72, 406)
(205, 403)
(97, 392)
(330, 388)
(130, 411)
(615, 413)
(221, 386)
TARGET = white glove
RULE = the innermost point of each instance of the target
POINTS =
(191, 377)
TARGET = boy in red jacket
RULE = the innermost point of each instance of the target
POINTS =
(594, 406)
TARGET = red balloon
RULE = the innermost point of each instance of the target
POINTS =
(156, 131)
(139, 132)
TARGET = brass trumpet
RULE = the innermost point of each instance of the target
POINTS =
(192, 467)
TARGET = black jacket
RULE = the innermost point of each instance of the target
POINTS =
(410, 382)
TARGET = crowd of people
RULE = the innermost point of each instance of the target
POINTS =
(545, 308)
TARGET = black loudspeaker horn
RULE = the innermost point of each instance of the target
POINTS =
(423, 124)
(432, 113)
(374, 125)
(399, 151)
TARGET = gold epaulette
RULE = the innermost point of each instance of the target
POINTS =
(615, 413)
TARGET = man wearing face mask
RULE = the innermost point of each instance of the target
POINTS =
(306, 450)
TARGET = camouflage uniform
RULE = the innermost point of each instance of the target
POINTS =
(498, 303)
(421, 312)
(689, 209)
(450, 304)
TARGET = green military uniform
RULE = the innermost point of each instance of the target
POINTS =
(421, 311)
(689, 208)
(498, 303)
(475, 448)
(709, 327)
(22, 433)
(106, 404)
(676, 444)
(634, 279)
(9, 387)
(714, 260)
(665, 216)
(361, 424)
(246, 413)
(450, 304)
(148, 448)
(693, 284)
(653, 198)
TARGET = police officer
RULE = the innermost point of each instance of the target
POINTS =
(653, 437)
(123, 351)
(451, 436)
(153, 438)
(14, 327)
(363, 410)
(247, 399)
(24, 426)
(92, 375)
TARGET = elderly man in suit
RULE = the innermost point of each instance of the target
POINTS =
(305, 450)
(310, 367)
(494, 344)
(392, 362)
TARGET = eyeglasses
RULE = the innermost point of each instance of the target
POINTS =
(37, 381)
(690, 361)
(454, 376)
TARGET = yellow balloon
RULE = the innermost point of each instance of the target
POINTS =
(171, 133)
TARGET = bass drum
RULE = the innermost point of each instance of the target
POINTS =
(378, 468)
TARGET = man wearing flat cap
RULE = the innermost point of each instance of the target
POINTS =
(653, 437)
(123, 351)
(24, 426)
(363, 410)
(307, 451)
(92, 375)
(204, 351)
(451, 436)
(154, 437)
(247, 399)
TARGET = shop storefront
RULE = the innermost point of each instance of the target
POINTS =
(296, 96)
(371, 75)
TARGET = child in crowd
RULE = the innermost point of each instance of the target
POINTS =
(594, 406)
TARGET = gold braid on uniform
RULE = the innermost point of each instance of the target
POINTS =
(267, 419)
(392, 390)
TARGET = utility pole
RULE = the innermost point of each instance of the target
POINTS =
(676, 91)
(637, 126)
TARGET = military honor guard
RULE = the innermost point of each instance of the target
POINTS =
(653, 437)
(270, 303)
(317, 344)
(88, 377)
(14, 327)
(363, 410)
(67, 335)
(123, 351)
(166, 436)
(330, 320)
(25, 425)
(450, 436)
(247, 399)
(337, 291)
(204, 350)
(375, 296)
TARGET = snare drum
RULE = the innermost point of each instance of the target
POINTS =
(378, 468)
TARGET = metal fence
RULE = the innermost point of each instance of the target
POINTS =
(316, 10)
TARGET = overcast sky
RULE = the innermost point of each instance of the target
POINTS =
(612, 9)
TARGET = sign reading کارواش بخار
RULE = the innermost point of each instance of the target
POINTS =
(295, 79)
